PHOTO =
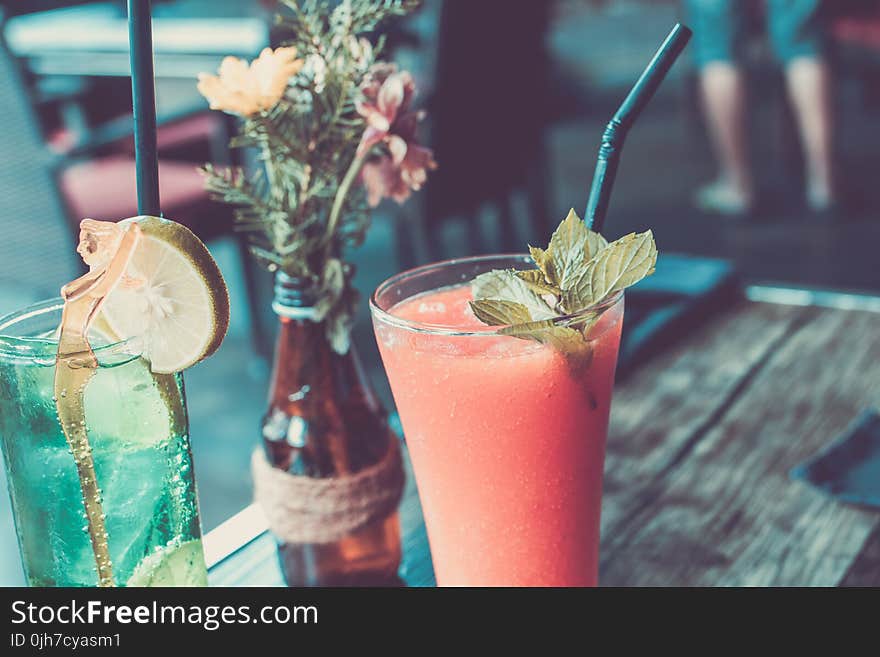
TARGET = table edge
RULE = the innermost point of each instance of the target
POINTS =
(234, 534)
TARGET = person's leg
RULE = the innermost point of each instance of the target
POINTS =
(724, 101)
(718, 28)
(797, 33)
(809, 88)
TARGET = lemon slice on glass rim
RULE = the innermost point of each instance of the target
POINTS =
(180, 305)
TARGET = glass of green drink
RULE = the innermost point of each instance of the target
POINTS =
(93, 420)
(137, 427)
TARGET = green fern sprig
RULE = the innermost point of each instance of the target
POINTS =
(304, 207)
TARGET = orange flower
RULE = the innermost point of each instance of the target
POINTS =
(245, 89)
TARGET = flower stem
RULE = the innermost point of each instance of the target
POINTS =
(341, 195)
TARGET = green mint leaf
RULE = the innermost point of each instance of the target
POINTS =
(621, 264)
(578, 269)
(495, 312)
(569, 341)
(544, 262)
(534, 278)
(572, 245)
(505, 285)
(594, 244)
(572, 344)
(527, 329)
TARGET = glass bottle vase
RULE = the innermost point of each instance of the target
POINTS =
(335, 480)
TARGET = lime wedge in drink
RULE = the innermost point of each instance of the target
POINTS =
(132, 408)
(176, 564)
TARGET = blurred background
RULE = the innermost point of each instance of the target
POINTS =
(517, 95)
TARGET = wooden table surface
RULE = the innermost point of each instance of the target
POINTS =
(702, 439)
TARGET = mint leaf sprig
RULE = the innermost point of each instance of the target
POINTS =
(578, 269)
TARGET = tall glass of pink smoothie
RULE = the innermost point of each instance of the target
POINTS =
(506, 435)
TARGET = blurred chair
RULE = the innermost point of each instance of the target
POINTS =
(97, 173)
(35, 248)
(44, 191)
(102, 186)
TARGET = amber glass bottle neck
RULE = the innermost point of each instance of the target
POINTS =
(322, 417)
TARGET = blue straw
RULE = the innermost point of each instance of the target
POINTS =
(143, 96)
(617, 129)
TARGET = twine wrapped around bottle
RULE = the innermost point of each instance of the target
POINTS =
(302, 509)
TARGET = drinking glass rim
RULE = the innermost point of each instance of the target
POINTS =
(439, 329)
(18, 346)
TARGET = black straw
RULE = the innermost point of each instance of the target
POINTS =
(143, 96)
(617, 129)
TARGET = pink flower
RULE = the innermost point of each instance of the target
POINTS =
(386, 109)
(387, 96)
(383, 180)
